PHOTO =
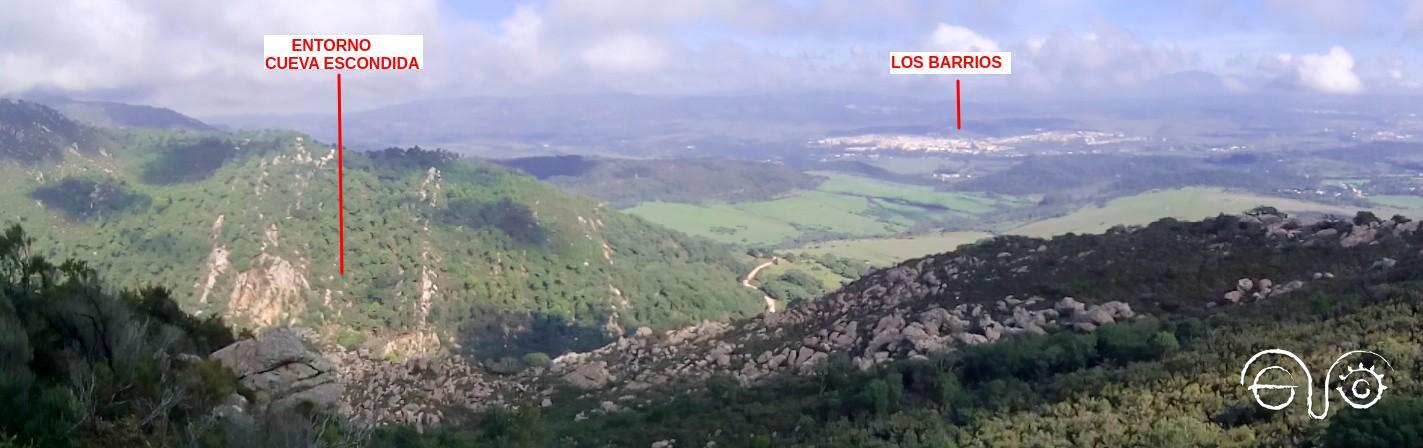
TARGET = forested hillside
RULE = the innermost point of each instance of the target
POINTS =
(440, 252)
(32, 133)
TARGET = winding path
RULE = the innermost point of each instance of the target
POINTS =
(770, 303)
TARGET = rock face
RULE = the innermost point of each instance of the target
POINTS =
(283, 370)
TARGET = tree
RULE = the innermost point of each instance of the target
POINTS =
(723, 388)
(1364, 218)
(1163, 343)
(1394, 421)
(876, 397)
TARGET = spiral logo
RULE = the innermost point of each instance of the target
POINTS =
(1360, 385)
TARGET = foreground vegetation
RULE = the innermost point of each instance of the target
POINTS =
(82, 365)
(1146, 383)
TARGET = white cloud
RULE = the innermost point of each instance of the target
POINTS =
(956, 38)
(198, 56)
(1107, 58)
(1330, 72)
(625, 53)
(125, 51)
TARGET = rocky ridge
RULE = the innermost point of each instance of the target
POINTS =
(918, 309)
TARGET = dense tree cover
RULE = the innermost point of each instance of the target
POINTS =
(1397, 421)
(189, 160)
(793, 285)
(515, 220)
(82, 199)
(845, 267)
(487, 248)
(628, 182)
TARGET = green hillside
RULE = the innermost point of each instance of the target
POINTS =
(440, 252)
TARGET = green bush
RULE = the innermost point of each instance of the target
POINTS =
(1393, 421)
(537, 359)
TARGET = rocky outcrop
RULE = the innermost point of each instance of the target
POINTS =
(939, 304)
(1247, 290)
(415, 392)
(282, 369)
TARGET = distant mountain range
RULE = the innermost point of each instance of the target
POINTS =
(104, 114)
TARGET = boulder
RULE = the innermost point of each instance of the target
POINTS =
(593, 375)
(1244, 285)
(282, 369)
(1098, 316)
(1069, 306)
(1119, 310)
(886, 332)
(1360, 235)
(924, 342)
(1384, 263)
(1234, 296)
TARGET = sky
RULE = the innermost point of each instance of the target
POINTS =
(205, 58)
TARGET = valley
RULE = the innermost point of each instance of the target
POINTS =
(702, 224)
(969, 299)
(842, 205)
(885, 209)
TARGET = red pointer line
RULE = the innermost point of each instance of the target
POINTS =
(958, 106)
(340, 181)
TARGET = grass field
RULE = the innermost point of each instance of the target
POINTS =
(1400, 201)
(909, 165)
(720, 222)
(887, 251)
(830, 279)
(1185, 203)
(844, 205)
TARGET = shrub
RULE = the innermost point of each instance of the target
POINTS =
(537, 359)
(1393, 421)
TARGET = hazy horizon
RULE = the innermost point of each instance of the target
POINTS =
(205, 59)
